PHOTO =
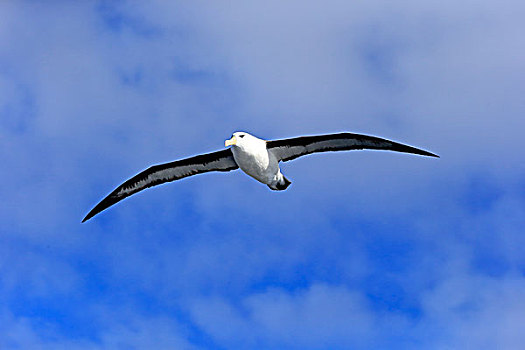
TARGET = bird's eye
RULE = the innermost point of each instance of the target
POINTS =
(241, 136)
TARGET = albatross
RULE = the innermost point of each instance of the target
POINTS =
(256, 157)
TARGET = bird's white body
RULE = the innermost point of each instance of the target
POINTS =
(252, 156)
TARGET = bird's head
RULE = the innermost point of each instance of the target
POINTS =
(239, 139)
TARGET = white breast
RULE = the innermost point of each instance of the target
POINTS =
(254, 159)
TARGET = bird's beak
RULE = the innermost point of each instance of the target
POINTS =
(230, 142)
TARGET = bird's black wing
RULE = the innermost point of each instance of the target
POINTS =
(161, 173)
(288, 149)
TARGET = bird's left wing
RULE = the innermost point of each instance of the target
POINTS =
(288, 149)
(161, 173)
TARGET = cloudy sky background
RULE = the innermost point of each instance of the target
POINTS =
(365, 250)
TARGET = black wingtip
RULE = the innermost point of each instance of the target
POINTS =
(430, 154)
(88, 216)
(103, 205)
(413, 150)
(97, 209)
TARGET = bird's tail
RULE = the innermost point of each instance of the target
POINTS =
(282, 184)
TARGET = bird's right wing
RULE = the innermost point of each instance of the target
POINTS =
(158, 174)
(288, 149)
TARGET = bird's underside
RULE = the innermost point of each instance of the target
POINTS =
(256, 157)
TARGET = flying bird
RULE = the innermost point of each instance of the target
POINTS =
(258, 158)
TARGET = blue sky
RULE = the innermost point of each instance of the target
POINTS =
(365, 250)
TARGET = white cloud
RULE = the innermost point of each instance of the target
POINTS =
(319, 317)
(133, 332)
(475, 312)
